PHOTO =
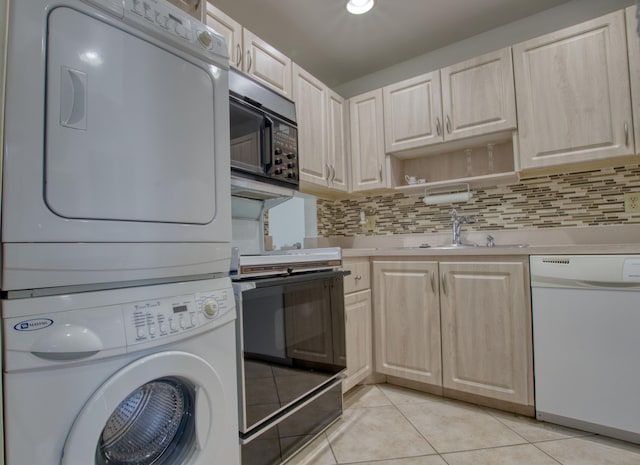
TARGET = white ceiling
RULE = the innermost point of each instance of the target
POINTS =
(337, 47)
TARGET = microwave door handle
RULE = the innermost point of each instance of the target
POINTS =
(267, 142)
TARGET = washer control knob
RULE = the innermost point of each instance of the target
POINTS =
(211, 308)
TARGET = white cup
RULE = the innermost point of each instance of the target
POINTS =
(410, 179)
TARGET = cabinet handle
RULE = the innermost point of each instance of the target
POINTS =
(357, 278)
(626, 133)
(380, 172)
(444, 284)
(448, 125)
(333, 174)
(433, 282)
(238, 55)
(328, 176)
(438, 127)
(248, 60)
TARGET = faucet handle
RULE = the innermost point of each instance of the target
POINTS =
(490, 241)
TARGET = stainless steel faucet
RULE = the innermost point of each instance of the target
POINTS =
(457, 225)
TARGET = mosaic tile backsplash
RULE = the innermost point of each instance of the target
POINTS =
(585, 198)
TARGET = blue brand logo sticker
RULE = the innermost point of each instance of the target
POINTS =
(34, 324)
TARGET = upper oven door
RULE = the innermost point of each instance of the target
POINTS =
(116, 160)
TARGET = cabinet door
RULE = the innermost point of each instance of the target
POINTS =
(633, 42)
(572, 88)
(357, 308)
(412, 113)
(266, 64)
(310, 96)
(337, 140)
(407, 320)
(478, 96)
(486, 330)
(193, 7)
(368, 167)
(230, 29)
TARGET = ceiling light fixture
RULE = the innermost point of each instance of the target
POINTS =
(357, 7)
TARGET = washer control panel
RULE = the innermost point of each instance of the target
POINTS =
(155, 319)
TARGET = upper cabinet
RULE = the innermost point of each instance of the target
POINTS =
(412, 113)
(194, 7)
(338, 137)
(472, 98)
(310, 96)
(368, 161)
(266, 64)
(478, 96)
(572, 89)
(633, 42)
(230, 29)
(251, 54)
(322, 135)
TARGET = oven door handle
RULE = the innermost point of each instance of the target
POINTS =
(266, 143)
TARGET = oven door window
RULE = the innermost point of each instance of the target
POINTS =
(293, 342)
(250, 139)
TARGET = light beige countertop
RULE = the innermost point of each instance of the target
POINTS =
(619, 239)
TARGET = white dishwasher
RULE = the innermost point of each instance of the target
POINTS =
(586, 335)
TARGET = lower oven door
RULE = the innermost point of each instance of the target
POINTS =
(291, 337)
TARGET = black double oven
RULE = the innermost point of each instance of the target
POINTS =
(291, 337)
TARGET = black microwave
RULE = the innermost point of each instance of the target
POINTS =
(264, 134)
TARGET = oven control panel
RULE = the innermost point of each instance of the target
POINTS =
(158, 319)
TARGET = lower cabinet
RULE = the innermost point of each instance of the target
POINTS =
(357, 311)
(463, 325)
(486, 330)
(407, 320)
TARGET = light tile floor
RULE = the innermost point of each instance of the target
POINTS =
(390, 425)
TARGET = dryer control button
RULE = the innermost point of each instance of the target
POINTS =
(140, 333)
(152, 330)
(183, 324)
(194, 319)
(172, 325)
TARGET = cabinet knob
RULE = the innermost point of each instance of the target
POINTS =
(357, 278)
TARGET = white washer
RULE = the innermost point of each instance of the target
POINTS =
(140, 376)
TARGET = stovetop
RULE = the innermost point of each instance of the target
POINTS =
(285, 262)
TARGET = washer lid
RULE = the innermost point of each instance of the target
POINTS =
(166, 408)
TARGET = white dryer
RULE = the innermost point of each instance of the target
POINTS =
(129, 376)
(116, 157)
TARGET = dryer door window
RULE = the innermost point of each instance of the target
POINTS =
(166, 408)
(153, 425)
(129, 127)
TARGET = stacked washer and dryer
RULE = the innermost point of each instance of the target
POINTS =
(118, 315)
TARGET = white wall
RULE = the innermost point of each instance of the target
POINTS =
(570, 13)
(292, 221)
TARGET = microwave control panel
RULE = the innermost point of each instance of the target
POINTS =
(285, 157)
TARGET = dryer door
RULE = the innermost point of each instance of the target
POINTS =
(163, 409)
